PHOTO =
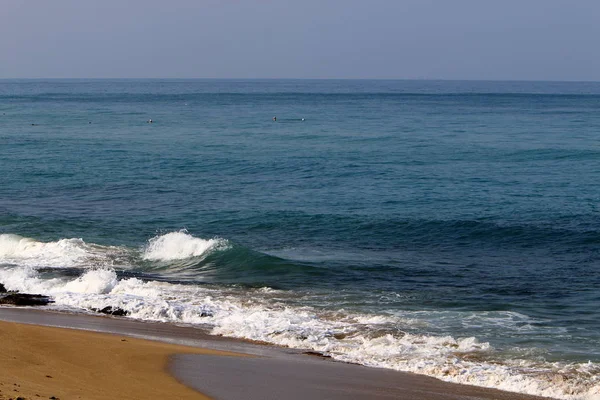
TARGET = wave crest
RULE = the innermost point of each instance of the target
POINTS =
(99, 281)
(180, 245)
(18, 248)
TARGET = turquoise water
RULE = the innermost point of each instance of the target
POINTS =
(439, 227)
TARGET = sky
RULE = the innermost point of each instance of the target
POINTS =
(346, 39)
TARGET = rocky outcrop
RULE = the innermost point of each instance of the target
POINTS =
(15, 298)
(116, 311)
(25, 299)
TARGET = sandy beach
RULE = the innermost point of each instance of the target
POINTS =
(47, 362)
(55, 362)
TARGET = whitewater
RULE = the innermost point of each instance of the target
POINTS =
(383, 340)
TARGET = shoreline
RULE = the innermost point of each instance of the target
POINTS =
(192, 361)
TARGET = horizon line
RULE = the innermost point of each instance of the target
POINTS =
(303, 79)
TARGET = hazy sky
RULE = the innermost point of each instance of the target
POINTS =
(433, 39)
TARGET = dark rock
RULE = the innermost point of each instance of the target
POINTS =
(24, 299)
(316, 354)
(2, 289)
(206, 314)
(116, 311)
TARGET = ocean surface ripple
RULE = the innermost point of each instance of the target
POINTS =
(445, 228)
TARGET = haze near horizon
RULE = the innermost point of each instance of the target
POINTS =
(383, 39)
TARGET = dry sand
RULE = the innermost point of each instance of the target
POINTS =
(42, 362)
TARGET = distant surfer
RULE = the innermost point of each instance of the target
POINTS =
(274, 119)
(149, 121)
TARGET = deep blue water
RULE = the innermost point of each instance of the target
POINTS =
(449, 202)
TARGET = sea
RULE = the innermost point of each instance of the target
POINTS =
(445, 228)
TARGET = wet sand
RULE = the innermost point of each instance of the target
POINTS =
(91, 365)
(300, 378)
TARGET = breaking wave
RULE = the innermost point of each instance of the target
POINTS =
(180, 245)
(400, 341)
(64, 253)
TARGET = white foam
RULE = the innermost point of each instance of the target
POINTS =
(179, 245)
(64, 253)
(371, 340)
(95, 281)
(26, 279)
(452, 320)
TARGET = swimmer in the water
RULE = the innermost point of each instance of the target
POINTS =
(149, 121)
(274, 118)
